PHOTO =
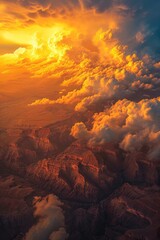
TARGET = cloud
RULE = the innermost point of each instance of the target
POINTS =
(131, 125)
(28, 12)
(142, 18)
(138, 16)
(107, 53)
(104, 72)
(99, 5)
(140, 37)
(58, 235)
(51, 223)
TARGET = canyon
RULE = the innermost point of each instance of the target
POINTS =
(107, 192)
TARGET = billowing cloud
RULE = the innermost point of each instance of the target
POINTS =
(51, 223)
(134, 126)
(104, 72)
(94, 51)
(29, 12)
(140, 18)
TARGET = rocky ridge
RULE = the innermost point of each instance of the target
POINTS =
(110, 194)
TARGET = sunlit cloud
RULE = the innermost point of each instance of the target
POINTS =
(51, 224)
(134, 126)
(93, 51)
(104, 71)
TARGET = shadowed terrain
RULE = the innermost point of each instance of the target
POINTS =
(107, 193)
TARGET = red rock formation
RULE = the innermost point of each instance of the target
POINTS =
(15, 206)
(112, 194)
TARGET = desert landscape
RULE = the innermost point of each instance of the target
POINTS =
(79, 120)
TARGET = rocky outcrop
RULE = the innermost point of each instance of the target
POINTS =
(128, 212)
(29, 147)
(109, 194)
(77, 174)
(15, 206)
(137, 169)
(37, 141)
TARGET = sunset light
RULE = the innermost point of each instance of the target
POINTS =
(79, 120)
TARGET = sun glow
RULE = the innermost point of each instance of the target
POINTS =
(40, 42)
(72, 55)
(39, 48)
(82, 51)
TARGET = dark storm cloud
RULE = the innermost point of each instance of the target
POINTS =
(143, 19)
(48, 2)
(100, 5)
(140, 29)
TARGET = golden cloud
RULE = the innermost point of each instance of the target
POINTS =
(131, 125)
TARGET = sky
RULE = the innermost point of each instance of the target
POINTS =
(60, 57)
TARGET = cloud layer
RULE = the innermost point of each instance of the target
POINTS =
(101, 54)
(50, 223)
(134, 126)
(104, 71)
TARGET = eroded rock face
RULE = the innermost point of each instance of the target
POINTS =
(77, 174)
(110, 194)
(37, 141)
(128, 212)
(31, 146)
(23, 147)
(15, 206)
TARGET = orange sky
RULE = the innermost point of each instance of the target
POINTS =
(54, 60)
(38, 55)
